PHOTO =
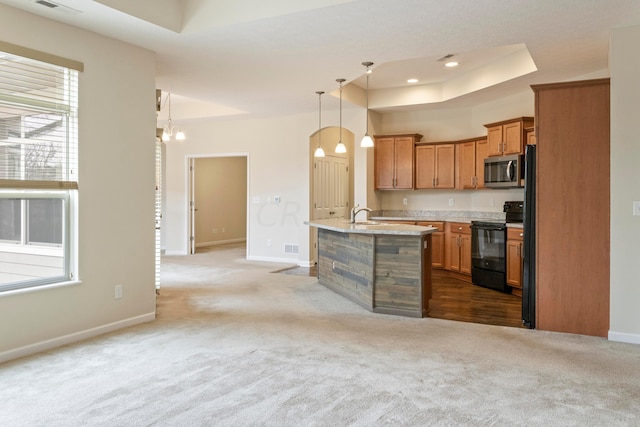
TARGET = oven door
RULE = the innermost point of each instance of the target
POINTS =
(488, 255)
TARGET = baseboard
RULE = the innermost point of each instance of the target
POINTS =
(170, 253)
(220, 242)
(75, 337)
(306, 264)
(624, 337)
(273, 259)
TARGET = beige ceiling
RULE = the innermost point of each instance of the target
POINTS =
(223, 58)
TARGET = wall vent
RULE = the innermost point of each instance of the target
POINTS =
(290, 248)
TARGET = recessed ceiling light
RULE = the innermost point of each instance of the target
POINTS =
(451, 64)
(412, 81)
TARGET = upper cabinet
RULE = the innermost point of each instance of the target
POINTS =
(507, 137)
(394, 161)
(470, 157)
(435, 166)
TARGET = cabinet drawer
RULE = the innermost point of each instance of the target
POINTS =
(437, 224)
(459, 227)
(515, 233)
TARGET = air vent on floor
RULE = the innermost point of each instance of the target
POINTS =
(290, 248)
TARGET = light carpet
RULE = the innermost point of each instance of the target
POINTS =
(236, 345)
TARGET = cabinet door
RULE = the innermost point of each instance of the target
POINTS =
(425, 166)
(453, 250)
(404, 162)
(512, 137)
(437, 250)
(514, 263)
(467, 164)
(482, 148)
(384, 163)
(465, 253)
(494, 139)
(445, 166)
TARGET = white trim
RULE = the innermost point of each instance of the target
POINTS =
(75, 337)
(307, 264)
(624, 337)
(220, 242)
(36, 288)
(272, 259)
(173, 253)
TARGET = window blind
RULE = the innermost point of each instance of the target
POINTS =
(38, 124)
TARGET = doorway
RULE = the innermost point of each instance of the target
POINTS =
(331, 180)
(218, 199)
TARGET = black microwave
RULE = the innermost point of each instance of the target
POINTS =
(504, 171)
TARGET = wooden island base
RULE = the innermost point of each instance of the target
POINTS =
(384, 268)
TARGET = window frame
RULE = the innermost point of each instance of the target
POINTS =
(64, 188)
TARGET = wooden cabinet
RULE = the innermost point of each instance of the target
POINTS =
(514, 259)
(573, 274)
(507, 137)
(435, 166)
(470, 157)
(458, 247)
(530, 136)
(437, 242)
(394, 161)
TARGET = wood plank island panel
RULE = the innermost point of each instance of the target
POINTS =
(385, 268)
(398, 273)
(344, 265)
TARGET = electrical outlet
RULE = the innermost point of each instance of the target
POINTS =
(118, 291)
(452, 201)
(276, 199)
(636, 208)
(405, 201)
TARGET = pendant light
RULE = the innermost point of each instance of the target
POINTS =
(341, 148)
(367, 141)
(319, 151)
(169, 128)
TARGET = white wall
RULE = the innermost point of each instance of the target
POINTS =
(625, 184)
(116, 196)
(278, 162)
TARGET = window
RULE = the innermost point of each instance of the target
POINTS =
(38, 167)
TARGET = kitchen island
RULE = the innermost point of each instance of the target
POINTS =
(385, 268)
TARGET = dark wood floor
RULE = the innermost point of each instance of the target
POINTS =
(455, 299)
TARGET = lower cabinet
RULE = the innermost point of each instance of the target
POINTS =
(458, 247)
(514, 259)
(437, 242)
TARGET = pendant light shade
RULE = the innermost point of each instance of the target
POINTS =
(319, 151)
(169, 130)
(367, 141)
(341, 148)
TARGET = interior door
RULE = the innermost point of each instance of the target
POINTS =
(330, 190)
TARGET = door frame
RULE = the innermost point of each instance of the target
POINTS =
(330, 136)
(189, 159)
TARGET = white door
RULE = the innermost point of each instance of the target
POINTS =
(331, 188)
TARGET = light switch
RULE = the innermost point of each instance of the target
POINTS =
(636, 208)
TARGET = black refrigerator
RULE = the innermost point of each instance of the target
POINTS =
(529, 252)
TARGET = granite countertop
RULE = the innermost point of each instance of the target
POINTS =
(370, 227)
(426, 215)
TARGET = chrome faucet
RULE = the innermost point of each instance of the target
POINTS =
(355, 212)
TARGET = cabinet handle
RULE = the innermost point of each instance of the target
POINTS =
(521, 234)
(459, 228)
(521, 250)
